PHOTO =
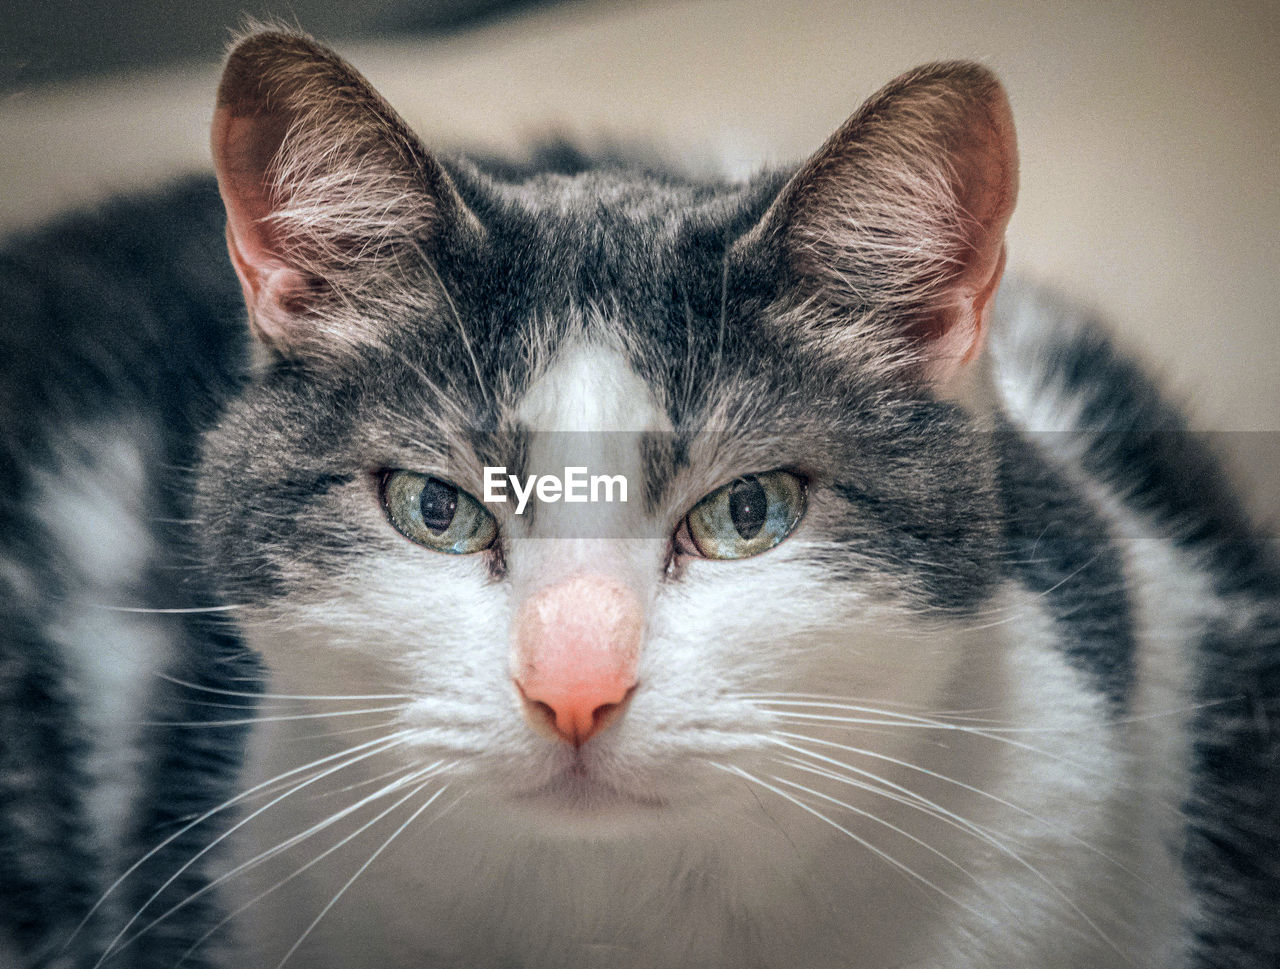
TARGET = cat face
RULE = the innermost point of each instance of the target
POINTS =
(804, 514)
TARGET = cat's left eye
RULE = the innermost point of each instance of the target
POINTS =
(436, 514)
(745, 517)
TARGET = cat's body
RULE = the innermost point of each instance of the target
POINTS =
(1001, 699)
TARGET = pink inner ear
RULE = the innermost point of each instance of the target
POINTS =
(244, 147)
(273, 291)
(958, 330)
(985, 181)
(987, 174)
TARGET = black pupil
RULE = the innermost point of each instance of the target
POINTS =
(748, 506)
(439, 504)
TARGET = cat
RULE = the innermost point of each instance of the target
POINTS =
(926, 635)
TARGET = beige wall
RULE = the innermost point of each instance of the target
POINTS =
(1150, 139)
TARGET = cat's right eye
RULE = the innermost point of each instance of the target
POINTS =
(436, 514)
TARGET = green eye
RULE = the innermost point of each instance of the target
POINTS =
(747, 516)
(434, 513)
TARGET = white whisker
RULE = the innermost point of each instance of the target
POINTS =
(915, 722)
(934, 720)
(884, 856)
(146, 610)
(329, 734)
(264, 856)
(280, 719)
(983, 833)
(225, 805)
(285, 696)
(377, 747)
(871, 816)
(314, 861)
(928, 773)
(359, 871)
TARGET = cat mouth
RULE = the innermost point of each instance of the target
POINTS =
(578, 786)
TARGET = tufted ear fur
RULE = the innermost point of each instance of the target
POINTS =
(326, 191)
(899, 219)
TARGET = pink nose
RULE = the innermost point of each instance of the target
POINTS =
(577, 646)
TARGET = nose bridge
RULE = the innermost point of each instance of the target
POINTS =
(537, 566)
(595, 480)
(575, 652)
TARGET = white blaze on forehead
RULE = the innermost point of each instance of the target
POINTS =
(591, 388)
(589, 410)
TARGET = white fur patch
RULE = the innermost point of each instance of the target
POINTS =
(1173, 603)
(589, 409)
(94, 503)
(590, 389)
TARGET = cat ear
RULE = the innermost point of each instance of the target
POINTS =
(898, 221)
(327, 191)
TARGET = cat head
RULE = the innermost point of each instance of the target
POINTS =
(760, 365)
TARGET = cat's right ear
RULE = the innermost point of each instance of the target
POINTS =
(328, 192)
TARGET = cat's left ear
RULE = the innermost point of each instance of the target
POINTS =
(328, 192)
(895, 227)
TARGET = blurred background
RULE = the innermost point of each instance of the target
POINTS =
(55, 40)
(1149, 131)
